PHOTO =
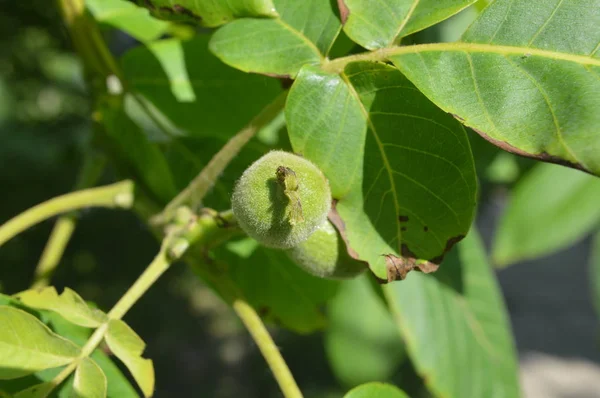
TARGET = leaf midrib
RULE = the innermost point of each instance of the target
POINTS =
(386, 163)
(492, 49)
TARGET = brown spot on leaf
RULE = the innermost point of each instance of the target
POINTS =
(449, 244)
(543, 156)
(344, 11)
(403, 229)
(425, 228)
(276, 76)
(402, 218)
(339, 224)
(398, 267)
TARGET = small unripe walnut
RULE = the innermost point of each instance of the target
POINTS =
(324, 254)
(281, 199)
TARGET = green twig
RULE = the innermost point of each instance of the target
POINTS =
(194, 193)
(115, 195)
(65, 225)
(267, 347)
(156, 268)
(53, 252)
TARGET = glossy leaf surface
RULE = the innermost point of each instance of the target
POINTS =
(456, 327)
(524, 76)
(303, 34)
(549, 209)
(401, 170)
(27, 345)
(378, 24)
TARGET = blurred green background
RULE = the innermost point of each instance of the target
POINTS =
(198, 346)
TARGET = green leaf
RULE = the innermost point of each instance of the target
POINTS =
(401, 170)
(210, 12)
(279, 290)
(141, 156)
(224, 100)
(303, 34)
(27, 345)
(550, 208)
(69, 305)
(136, 21)
(361, 340)
(456, 327)
(128, 347)
(90, 381)
(376, 390)
(118, 384)
(37, 391)
(382, 23)
(524, 76)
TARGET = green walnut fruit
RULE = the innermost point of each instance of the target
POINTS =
(281, 199)
(324, 255)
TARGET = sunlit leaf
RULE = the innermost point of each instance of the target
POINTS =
(378, 24)
(361, 340)
(303, 34)
(69, 305)
(37, 391)
(118, 385)
(549, 209)
(376, 390)
(90, 381)
(126, 16)
(524, 76)
(401, 170)
(128, 347)
(210, 12)
(27, 345)
(456, 327)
